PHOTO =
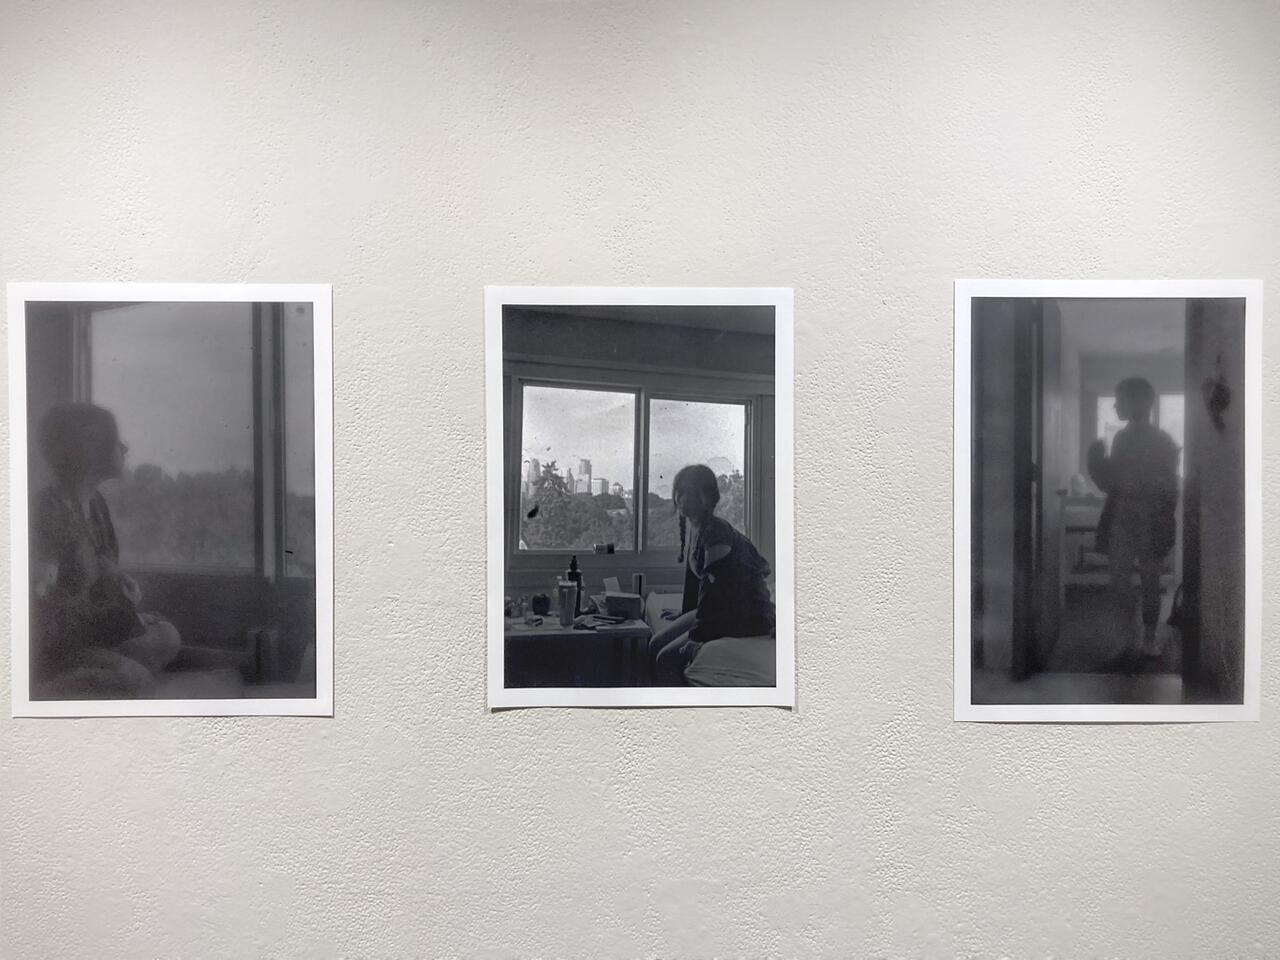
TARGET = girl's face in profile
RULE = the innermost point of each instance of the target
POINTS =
(1123, 409)
(690, 503)
(115, 462)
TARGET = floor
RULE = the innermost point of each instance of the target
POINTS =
(1086, 664)
(1087, 643)
(993, 687)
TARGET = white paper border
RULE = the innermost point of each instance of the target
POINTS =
(781, 298)
(320, 296)
(1251, 292)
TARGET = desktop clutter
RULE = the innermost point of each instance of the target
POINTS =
(576, 607)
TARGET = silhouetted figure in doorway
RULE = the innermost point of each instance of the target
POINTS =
(1138, 526)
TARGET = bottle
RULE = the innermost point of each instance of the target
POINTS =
(574, 574)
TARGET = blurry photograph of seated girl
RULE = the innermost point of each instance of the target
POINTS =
(90, 636)
(726, 608)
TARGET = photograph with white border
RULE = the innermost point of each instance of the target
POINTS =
(640, 526)
(171, 489)
(1107, 500)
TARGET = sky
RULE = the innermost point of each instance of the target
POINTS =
(179, 378)
(570, 425)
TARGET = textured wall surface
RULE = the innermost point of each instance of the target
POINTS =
(866, 154)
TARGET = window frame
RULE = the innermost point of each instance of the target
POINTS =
(270, 483)
(750, 515)
(668, 383)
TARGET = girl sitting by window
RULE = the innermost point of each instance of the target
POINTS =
(725, 589)
(87, 637)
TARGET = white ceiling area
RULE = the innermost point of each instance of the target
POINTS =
(1125, 327)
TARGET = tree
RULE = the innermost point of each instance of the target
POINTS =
(553, 518)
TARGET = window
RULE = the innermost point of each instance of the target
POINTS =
(216, 404)
(577, 469)
(688, 431)
(1108, 423)
(179, 379)
(1171, 417)
(579, 447)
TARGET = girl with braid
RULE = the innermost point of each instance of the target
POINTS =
(725, 589)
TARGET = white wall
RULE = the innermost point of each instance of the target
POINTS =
(866, 153)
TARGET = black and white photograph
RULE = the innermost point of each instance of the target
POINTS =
(1107, 500)
(172, 492)
(639, 496)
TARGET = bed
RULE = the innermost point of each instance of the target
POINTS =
(726, 662)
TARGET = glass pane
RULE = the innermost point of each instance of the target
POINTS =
(682, 432)
(577, 464)
(299, 442)
(1108, 423)
(1173, 420)
(179, 378)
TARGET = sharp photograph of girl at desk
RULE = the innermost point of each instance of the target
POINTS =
(639, 522)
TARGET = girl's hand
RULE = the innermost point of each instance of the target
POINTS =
(679, 625)
(132, 591)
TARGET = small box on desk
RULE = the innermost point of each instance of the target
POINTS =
(629, 605)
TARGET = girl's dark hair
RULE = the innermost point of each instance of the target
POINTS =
(700, 477)
(78, 440)
(1139, 392)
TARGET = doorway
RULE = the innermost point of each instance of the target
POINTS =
(1048, 608)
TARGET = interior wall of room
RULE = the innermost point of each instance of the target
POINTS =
(994, 403)
(865, 153)
(50, 377)
(1070, 377)
(1218, 483)
(530, 333)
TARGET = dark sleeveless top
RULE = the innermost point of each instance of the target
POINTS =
(730, 596)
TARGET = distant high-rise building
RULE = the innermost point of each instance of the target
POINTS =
(582, 485)
(602, 485)
(534, 472)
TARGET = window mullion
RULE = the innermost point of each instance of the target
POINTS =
(278, 438)
(268, 447)
(640, 475)
(259, 465)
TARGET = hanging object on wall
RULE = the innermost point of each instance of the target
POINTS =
(1217, 396)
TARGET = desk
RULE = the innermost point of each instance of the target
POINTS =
(549, 655)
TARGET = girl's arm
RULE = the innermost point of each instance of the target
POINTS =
(714, 553)
(679, 625)
(1099, 465)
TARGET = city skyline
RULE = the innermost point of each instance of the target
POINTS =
(558, 420)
